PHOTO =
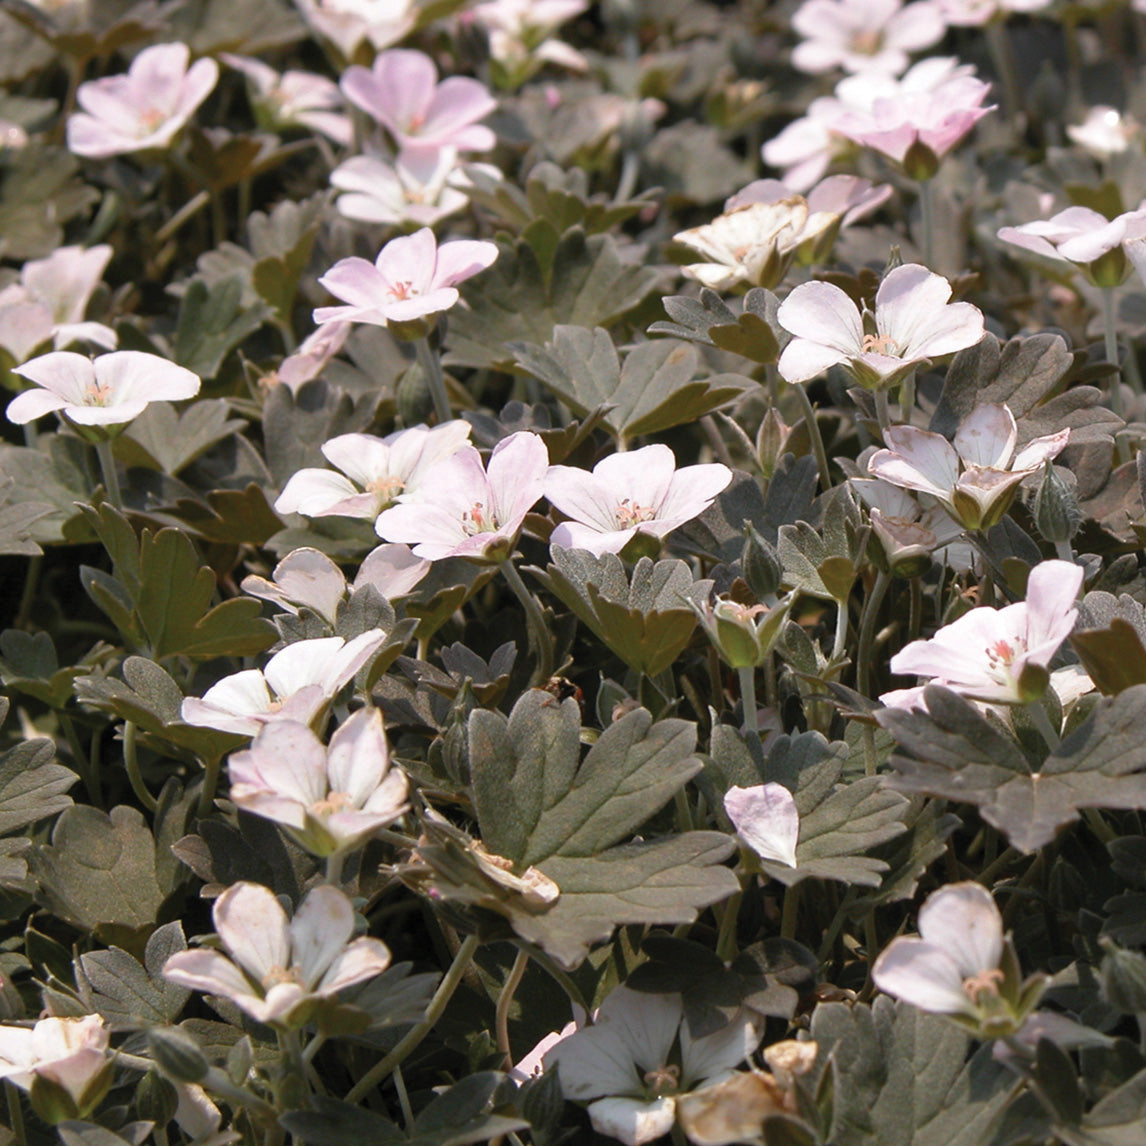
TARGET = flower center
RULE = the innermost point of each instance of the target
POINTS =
(478, 519)
(150, 120)
(277, 975)
(387, 488)
(334, 802)
(987, 981)
(663, 1080)
(97, 394)
(867, 42)
(399, 292)
(1001, 654)
(629, 514)
(879, 344)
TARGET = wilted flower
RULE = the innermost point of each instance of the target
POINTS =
(107, 392)
(401, 91)
(66, 1064)
(766, 819)
(1001, 656)
(743, 635)
(411, 278)
(913, 321)
(280, 970)
(976, 475)
(465, 510)
(863, 36)
(296, 684)
(624, 1065)
(378, 471)
(640, 491)
(294, 99)
(1105, 132)
(329, 799)
(312, 356)
(347, 23)
(144, 108)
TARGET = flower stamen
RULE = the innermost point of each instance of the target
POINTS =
(879, 344)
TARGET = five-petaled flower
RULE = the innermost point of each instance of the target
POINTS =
(279, 970)
(294, 99)
(863, 35)
(913, 322)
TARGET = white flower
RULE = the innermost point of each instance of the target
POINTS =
(863, 35)
(347, 23)
(329, 799)
(1001, 655)
(975, 476)
(976, 13)
(73, 1054)
(520, 31)
(913, 322)
(1105, 132)
(279, 970)
(295, 98)
(421, 187)
(624, 1065)
(640, 491)
(297, 684)
(766, 819)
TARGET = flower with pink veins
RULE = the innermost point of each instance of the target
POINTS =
(108, 392)
(1000, 656)
(864, 35)
(412, 277)
(330, 800)
(638, 492)
(378, 471)
(275, 969)
(294, 99)
(913, 322)
(347, 24)
(401, 91)
(146, 108)
(974, 476)
(465, 510)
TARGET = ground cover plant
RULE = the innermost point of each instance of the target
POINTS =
(573, 572)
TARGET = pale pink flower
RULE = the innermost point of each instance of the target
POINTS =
(297, 684)
(1082, 239)
(59, 288)
(765, 818)
(378, 471)
(520, 30)
(312, 356)
(146, 108)
(976, 13)
(328, 799)
(420, 187)
(863, 35)
(640, 491)
(956, 957)
(306, 578)
(1105, 132)
(12, 135)
(349, 23)
(913, 322)
(465, 510)
(294, 99)
(277, 969)
(109, 391)
(72, 1053)
(412, 277)
(975, 475)
(638, 1056)
(1001, 655)
(401, 91)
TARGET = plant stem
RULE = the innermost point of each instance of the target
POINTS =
(840, 644)
(211, 770)
(85, 766)
(563, 978)
(28, 596)
(1041, 721)
(790, 912)
(539, 641)
(131, 763)
(882, 412)
(747, 676)
(419, 1031)
(814, 434)
(188, 211)
(431, 364)
(108, 470)
(15, 1114)
(726, 937)
(927, 221)
(907, 398)
(871, 607)
(501, 1018)
(334, 868)
(1003, 57)
(1110, 338)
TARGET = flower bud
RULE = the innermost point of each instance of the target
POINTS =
(1056, 510)
(771, 439)
(761, 564)
(920, 162)
(177, 1054)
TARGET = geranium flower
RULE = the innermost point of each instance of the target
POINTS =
(1001, 655)
(294, 99)
(311, 358)
(378, 471)
(145, 108)
(465, 510)
(401, 91)
(640, 491)
(913, 322)
(412, 277)
(419, 187)
(638, 1056)
(1105, 132)
(71, 1055)
(976, 13)
(329, 799)
(1084, 240)
(57, 290)
(296, 684)
(278, 970)
(520, 30)
(348, 23)
(863, 36)
(976, 475)
(306, 578)
(766, 819)
(109, 391)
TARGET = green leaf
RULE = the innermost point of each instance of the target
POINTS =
(754, 333)
(32, 786)
(212, 323)
(40, 192)
(173, 440)
(535, 798)
(29, 664)
(517, 301)
(1116, 1119)
(653, 391)
(334, 1123)
(823, 561)
(1110, 639)
(282, 241)
(248, 27)
(956, 752)
(99, 870)
(231, 516)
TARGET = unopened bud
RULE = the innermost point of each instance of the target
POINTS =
(771, 440)
(761, 564)
(920, 162)
(177, 1054)
(1057, 514)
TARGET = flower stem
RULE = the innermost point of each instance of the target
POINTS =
(726, 947)
(1003, 57)
(109, 472)
(927, 221)
(539, 640)
(15, 1114)
(882, 412)
(790, 911)
(747, 676)
(1110, 338)
(871, 607)
(84, 763)
(1041, 721)
(211, 770)
(814, 434)
(334, 868)
(907, 398)
(131, 763)
(431, 365)
(840, 644)
(419, 1031)
(501, 1018)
